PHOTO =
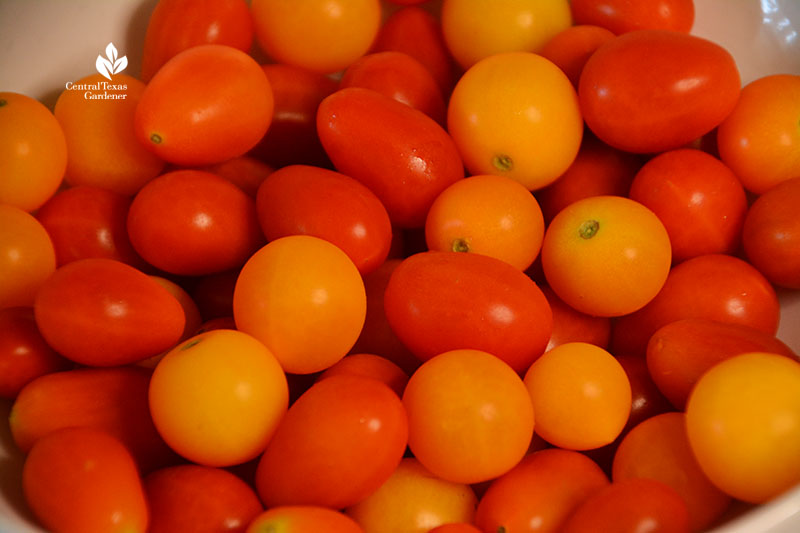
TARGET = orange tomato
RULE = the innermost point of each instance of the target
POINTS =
(413, 500)
(245, 172)
(516, 114)
(606, 255)
(571, 48)
(470, 417)
(759, 139)
(217, 398)
(489, 215)
(320, 35)
(475, 29)
(33, 152)
(581, 396)
(304, 298)
(370, 366)
(27, 256)
(302, 519)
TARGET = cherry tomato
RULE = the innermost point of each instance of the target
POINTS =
(304, 299)
(540, 493)
(700, 201)
(338, 443)
(570, 325)
(176, 25)
(742, 422)
(84, 480)
(606, 255)
(27, 257)
(712, 286)
(324, 36)
(101, 312)
(474, 30)
(245, 172)
(489, 215)
(571, 47)
(207, 104)
(622, 16)
(581, 396)
(413, 500)
(33, 152)
(516, 114)
(370, 366)
(103, 149)
(200, 499)
(192, 222)
(303, 519)
(401, 154)
(692, 84)
(759, 140)
(658, 449)
(441, 301)
(217, 398)
(306, 200)
(455, 527)
(771, 231)
(190, 311)
(469, 414)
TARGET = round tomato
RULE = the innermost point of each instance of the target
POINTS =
(743, 423)
(303, 519)
(516, 114)
(27, 257)
(606, 255)
(207, 104)
(692, 84)
(218, 397)
(303, 298)
(622, 16)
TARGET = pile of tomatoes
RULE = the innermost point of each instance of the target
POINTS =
(453, 267)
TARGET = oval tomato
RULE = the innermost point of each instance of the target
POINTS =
(207, 104)
(441, 301)
(401, 154)
(692, 84)
(622, 16)
(101, 312)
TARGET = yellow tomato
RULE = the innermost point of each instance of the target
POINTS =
(475, 29)
(27, 256)
(516, 115)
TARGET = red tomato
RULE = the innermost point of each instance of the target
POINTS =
(245, 172)
(622, 16)
(111, 399)
(771, 234)
(700, 201)
(24, 354)
(713, 286)
(192, 222)
(201, 499)
(441, 301)
(401, 154)
(682, 351)
(85, 221)
(570, 325)
(101, 312)
(176, 25)
(572, 47)
(692, 84)
(83, 480)
(207, 104)
(398, 76)
(629, 506)
(305, 200)
(370, 366)
(337, 443)
(540, 492)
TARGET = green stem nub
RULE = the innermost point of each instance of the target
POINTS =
(588, 229)
(460, 245)
(191, 343)
(503, 162)
(3, 102)
(156, 138)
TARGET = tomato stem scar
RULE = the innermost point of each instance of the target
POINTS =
(503, 162)
(3, 102)
(588, 229)
(193, 342)
(460, 245)
(156, 138)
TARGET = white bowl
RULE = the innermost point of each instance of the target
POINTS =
(47, 43)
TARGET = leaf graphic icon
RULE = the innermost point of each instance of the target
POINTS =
(104, 67)
(111, 52)
(120, 64)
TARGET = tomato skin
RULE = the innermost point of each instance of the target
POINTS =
(306, 200)
(400, 153)
(712, 286)
(199, 498)
(622, 16)
(100, 312)
(207, 104)
(192, 222)
(771, 234)
(441, 301)
(303, 519)
(570, 325)
(83, 480)
(571, 48)
(691, 86)
(176, 25)
(27, 256)
(338, 442)
(371, 366)
(246, 172)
